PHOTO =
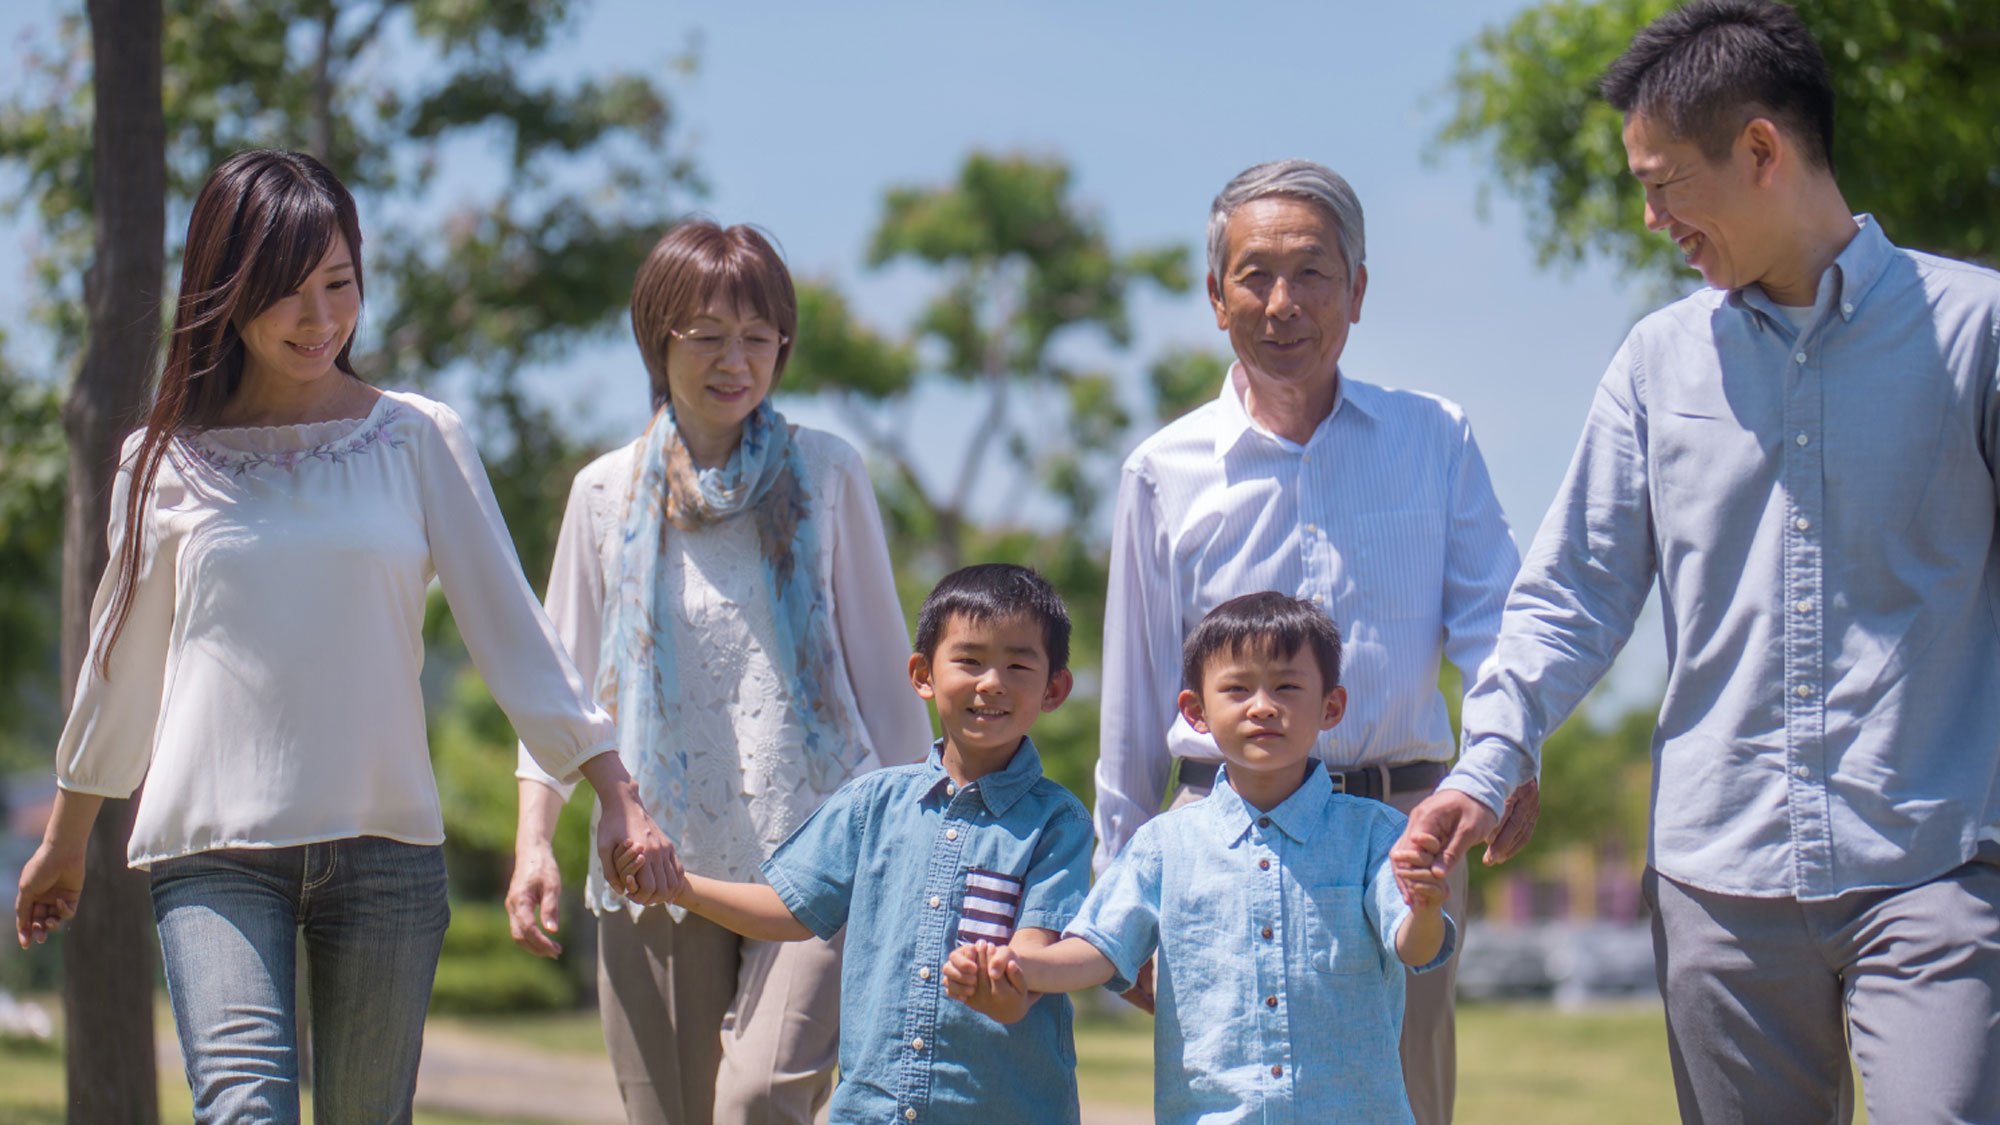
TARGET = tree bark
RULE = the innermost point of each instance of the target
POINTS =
(108, 947)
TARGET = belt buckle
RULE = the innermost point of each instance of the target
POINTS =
(1339, 778)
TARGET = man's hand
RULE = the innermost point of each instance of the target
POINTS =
(1441, 830)
(1414, 861)
(987, 978)
(534, 902)
(1140, 995)
(1517, 823)
(51, 887)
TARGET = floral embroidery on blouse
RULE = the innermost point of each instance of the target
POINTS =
(237, 462)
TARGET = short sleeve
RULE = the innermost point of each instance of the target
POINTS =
(1121, 917)
(814, 871)
(1058, 872)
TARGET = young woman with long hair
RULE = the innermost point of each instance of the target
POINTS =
(255, 650)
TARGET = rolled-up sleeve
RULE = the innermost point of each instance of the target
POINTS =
(1121, 917)
(1574, 605)
(510, 639)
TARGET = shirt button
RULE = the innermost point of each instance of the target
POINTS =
(1802, 523)
(950, 790)
(917, 1044)
(1263, 822)
(935, 902)
(1270, 1001)
(910, 1114)
(951, 833)
(1277, 1072)
(1801, 357)
(1803, 440)
(1803, 773)
(1848, 309)
(1263, 865)
(924, 973)
(1802, 605)
(1312, 529)
(1802, 691)
(1267, 933)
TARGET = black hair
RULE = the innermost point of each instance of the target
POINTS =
(1706, 68)
(993, 592)
(1268, 623)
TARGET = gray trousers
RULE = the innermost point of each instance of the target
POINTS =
(704, 1026)
(1765, 997)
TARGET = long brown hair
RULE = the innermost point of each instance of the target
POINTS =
(261, 225)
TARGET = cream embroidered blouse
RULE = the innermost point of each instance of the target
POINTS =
(748, 786)
(265, 686)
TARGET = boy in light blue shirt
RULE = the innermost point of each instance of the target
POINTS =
(913, 860)
(1273, 903)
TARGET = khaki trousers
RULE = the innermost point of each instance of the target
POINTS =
(704, 1026)
(1430, 1025)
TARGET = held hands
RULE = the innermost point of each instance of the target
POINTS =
(1441, 830)
(638, 859)
(1415, 863)
(987, 978)
(51, 886)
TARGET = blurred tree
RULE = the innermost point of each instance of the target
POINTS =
(34, 464)
(1917, 137)
(1184, 378)
(1018, 263)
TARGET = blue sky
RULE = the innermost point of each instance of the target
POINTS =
(799, 115)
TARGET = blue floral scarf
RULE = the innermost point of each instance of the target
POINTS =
(638, 675)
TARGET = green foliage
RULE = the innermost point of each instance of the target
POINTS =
(481, 970)
(1917, 122)
(34, 465)
(1183, 379)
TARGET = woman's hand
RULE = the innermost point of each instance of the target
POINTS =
(534, 902)
(51, 886)
(637, 857)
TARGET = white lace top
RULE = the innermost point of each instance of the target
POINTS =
(748, 787)
(265, 686)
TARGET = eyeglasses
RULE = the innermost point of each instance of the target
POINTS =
(758, 343)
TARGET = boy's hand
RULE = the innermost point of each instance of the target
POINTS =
(987, 978)
(1414, 860)
(638, 858)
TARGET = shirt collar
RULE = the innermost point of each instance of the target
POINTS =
(1001, 788)
(1237, 426)
(1296, 815)
(1843, 284)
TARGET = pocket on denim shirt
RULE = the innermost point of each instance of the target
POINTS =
(1342, 940)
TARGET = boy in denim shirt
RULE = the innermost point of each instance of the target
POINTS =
(1273, 904)
(913, 860)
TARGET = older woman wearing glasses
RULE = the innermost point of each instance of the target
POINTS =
(725, 581)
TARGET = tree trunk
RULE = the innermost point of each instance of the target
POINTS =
(108, 947)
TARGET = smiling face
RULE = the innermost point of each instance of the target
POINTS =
(720, 365)
(1265, 710)
(989, 680)
(297, 339)
(1285, 298)
(1711, 209)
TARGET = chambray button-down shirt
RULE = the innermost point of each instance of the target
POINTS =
(1819, 507)
(1279, 993)
(1385, 518)
(887, 856)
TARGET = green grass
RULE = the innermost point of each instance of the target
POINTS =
(1516, 1062)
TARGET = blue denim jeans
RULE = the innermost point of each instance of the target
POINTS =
(373, 914)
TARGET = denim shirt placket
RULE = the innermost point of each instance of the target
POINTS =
(1804, 475)
(959, 806)
(1268, 882)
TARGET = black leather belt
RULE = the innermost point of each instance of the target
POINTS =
(1373, 782)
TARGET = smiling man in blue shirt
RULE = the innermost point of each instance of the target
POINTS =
(1804, 455)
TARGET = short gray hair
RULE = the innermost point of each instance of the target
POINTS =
(1298, 179)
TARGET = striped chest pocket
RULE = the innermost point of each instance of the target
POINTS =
(992, 903)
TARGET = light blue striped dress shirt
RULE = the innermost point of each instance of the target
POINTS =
(1819, 507)
(1385, 518)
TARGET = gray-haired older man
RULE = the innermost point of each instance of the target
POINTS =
(1372, 502)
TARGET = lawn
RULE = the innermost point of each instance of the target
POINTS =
(1517, 1062)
